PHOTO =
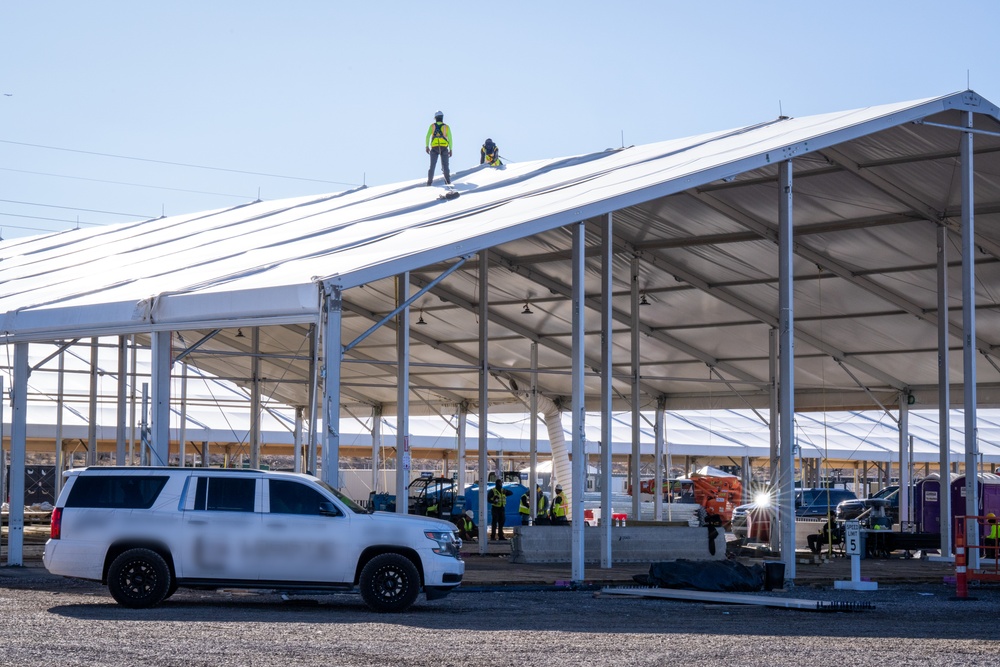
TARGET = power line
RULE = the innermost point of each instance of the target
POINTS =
(134, 185)
(174, 164)
(74, 208)
(38, 217)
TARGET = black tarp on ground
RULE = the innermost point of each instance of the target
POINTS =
(712, 575)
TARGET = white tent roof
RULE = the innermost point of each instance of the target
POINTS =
(871, 187)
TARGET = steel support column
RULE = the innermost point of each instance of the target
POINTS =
(533, 432)
(786, 383)
(463, 423)
(60, 402)
(578, 399)
(484, 393)
(607, 386)
(333, 355)
(634, 462)
(774, 465)
(18, 449)
(944, 390)
(658, 454)
(182, 429)
(376, 445)
(160, 399)
(969, 336)
(312, 463)
(95, 370)
(255, 398)
(122, 404)
(905, 472)
(402, 392)
(297, 440)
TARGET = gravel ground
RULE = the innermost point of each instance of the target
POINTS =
(52, 621)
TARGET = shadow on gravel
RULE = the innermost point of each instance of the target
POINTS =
(911, 618)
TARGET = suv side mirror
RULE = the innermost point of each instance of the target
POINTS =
(328, 509)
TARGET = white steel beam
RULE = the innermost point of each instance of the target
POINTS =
(969, 338)
(786, 356)
(579, 446)
(160, 398)
(944, 391)
(607, 384)
(484, 392)
(18, 449)
(403, 460)
(332, 358)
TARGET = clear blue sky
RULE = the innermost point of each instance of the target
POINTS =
(343, 92)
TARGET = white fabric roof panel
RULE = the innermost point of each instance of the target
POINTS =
(186, 252)
(699, 213)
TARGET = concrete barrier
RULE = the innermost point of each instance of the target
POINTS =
(630, 544)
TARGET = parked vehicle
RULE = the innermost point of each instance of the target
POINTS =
(146, 531)
(820, 502)
(852, 509)
(427, 496)
(752, 521)
(715, 490)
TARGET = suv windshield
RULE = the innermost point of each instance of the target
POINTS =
(351, 505)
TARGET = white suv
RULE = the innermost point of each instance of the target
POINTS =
(146, 531)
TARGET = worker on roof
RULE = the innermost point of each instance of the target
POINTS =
(497, 498)
(489, 154)
(559, 508)
(438, 143)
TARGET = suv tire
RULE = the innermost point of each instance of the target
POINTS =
(139, 578)
(389, 583)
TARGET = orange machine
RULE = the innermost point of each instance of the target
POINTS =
(718, 495)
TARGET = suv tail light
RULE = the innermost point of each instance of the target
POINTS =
(56, 525)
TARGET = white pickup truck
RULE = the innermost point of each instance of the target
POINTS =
(146, 531)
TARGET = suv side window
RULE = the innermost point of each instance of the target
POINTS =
(115, 491)
(225, 494)
(289, 497)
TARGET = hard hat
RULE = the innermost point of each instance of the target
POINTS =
(991, 517)
(558, 487)
(439, 114)
(468, 513)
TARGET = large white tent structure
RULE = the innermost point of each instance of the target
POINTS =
(822, 263)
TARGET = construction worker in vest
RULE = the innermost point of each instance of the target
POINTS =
(497, 498)
(992, 541)
(432, 508)
(489, 154)
(559, 508)
(438, 143)
(467, 529)
(541, 507)
(524, 509)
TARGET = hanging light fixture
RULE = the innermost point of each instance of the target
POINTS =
(239, 333)
(421, 319)
(527, 309)
(643, 301)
